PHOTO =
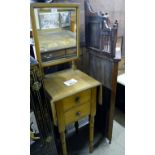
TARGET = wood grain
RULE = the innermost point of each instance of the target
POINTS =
(77, 113)
(71, 103)
(55, 82)
(76, 100)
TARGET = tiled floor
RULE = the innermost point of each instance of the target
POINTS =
(102, 147)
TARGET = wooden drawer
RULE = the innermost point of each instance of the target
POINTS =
(77, 113)
(71, 51)
(47, 56)
(77, 99)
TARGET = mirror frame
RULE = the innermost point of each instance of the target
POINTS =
(35, 34)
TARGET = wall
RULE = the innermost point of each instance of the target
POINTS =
(115, 9)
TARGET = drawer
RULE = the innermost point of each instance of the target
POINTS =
(77, 99)
(71, 51)
(77, 113)
(47, 56)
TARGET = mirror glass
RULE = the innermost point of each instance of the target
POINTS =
(57, 32)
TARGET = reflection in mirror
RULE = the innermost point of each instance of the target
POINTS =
(56, 29)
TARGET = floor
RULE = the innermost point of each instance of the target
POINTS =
(101, 146)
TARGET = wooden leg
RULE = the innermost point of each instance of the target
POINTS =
(61, 126)
(76, 127)
(109, 141)
(63, 143)
(91, 134)
(112, 102)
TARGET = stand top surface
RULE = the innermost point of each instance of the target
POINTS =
(57, 90)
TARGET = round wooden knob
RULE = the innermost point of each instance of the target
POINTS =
(78, 113)
(77, 99)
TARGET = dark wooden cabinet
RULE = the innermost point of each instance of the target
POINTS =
(100, 35)
(99, 59)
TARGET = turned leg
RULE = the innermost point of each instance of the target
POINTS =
(61, 126)
(91, 120)
(91, 134)
(63, 143)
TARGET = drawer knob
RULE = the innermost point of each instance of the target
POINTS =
(78, 113)
(77, 99)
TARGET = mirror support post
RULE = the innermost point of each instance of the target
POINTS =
(74, 67)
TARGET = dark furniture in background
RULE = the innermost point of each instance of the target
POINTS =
(100, 59)
(100, 34)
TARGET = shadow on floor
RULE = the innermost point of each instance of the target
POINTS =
(78, 144)
(119, 117)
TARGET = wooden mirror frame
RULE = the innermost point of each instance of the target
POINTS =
(35, 34)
